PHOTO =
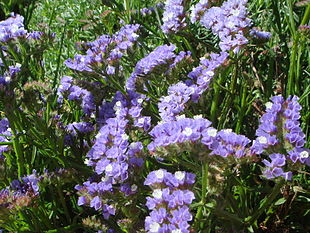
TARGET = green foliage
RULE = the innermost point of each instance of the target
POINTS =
(243, 203)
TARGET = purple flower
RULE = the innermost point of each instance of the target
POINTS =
(178, 131)
(174, 16)
(228, 22)
(157, 61)
(12, 28)
(4, 131)
(80, 127)
(169, 201)
(198, 10)
(105, 52)
(274, 169)
(260, 35)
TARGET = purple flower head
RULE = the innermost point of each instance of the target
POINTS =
(230, 144)
(80, 127)
(198, 10)
(279, 113)
(12, 28)
(106, 51)
(260, 35)
(179, 131)
(274, 169)
(158, 60)
(228, 22)
(4, 131)
(169, 201)
(174, 16)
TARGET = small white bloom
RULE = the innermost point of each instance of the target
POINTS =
(154, 227)
(227, 130)
(157, 193)
(86, 161)
(304, 154)
(167, 98)
(109, 168)
(134, 188)
(206, 78)
(210, 73)
(105, 178)
(262, 140)
(140, 101)
(235, 12)
(125, 136)
(212, 132)
(141, 120)
(98, 135)
(179, 175)
(268, 105)
(187, 131)
(181, 117)
(176, 231)
(159, 174)
(7, 79)
(198, 116)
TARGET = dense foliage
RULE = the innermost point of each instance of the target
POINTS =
(149, 116)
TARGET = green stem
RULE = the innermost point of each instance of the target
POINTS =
(205, 185)
(266, 204)
(215, 100)
(63, 203)
(306, 17)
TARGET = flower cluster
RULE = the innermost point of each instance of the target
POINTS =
(21, 193)
(112, 156)
(279, 130)
(104, 53)
(79, 127)
(179, 131)
(169, 201)
(273, 169)
(12, 28)
(10, 74)
(94, 194)
(150, 10)
(4, 131)
(173, 104)
(28, 184)
(259, 35)
(228, 22)
(226, 143)
(74, 92)
(179, 94)
(198, 10)
(157, 62)
(174, 16)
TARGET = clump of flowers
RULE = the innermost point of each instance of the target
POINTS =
(279, 130)
(12, 28)
(5, 133)
(181, 93)
(170, 200)
(174, 16)
(198, 10)
(112, 156)
(177, 132)
(159, 61)
(228, 22)
(20, 194)
(105, 53)
(76, 93)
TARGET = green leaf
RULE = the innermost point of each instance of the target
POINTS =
(280, 201)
